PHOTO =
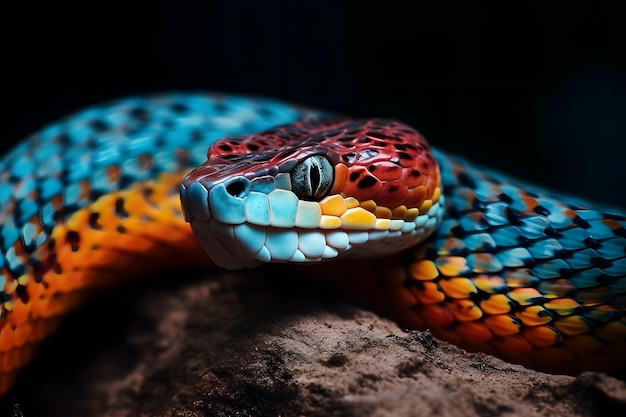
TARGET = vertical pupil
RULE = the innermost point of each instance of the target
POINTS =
(314, 175)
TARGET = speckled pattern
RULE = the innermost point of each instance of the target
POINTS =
(93, 200)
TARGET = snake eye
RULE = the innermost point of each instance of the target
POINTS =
(312, 178)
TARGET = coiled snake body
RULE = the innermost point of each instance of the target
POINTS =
(485, 262)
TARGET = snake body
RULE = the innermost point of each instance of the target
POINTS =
(483, 261)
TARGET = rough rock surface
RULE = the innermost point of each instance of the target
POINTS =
(240, 345)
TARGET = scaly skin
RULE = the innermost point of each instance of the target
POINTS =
(92, 201)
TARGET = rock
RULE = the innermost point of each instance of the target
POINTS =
(246, 345)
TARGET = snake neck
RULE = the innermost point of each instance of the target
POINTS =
(125, 234)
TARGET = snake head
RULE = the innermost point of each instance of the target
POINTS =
(313, 191)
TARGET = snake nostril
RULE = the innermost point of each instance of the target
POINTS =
(238, 188)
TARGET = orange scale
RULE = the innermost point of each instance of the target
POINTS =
(391, 194)
(571, 325)
(534, 316)
(429, 293)
(436, 315)
(451, 244)
(20, 313)
(557, 288)
(474, 332)
(613, 224)
(496, 304)
(432, 186)
(386, 171)
(502, 324)
(415, 197)
(7, 338)
(426, 205)
(464, 310)
(451, 266)
(360, 184)
(562, 306)
(583, 344)
(423, 270)
(412, 178)
(399, 213)
(382, 212)
(530, 203)
(519, 278)
(457, 287)
(524, 296)
(542, 336)
(512, 345)
(490, 283)
(612, 331)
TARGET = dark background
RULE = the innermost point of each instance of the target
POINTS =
(537, 88)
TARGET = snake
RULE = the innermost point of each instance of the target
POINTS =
(155, 182)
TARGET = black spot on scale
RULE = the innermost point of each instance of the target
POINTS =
(179, 107)
(616, 217)
(140, 114)
(551, 231)
(73, 238)
(120, 229)
(93, 221)
(367, 182)
(4, 297)
(591, 243)
(466, 180)
(579, 221)
(480, 296)
(252, 147)
(364, 139)
(58, 269)
(600, 262)
(505, 198)
(478, 205)
(120, 211)
(513, 216)
(126, 180)
(99, 125)
(354, 176)
(225, 147)
(620, 232)
(542, 211)
(22, 293)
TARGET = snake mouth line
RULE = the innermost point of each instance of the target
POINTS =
(237, 246)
